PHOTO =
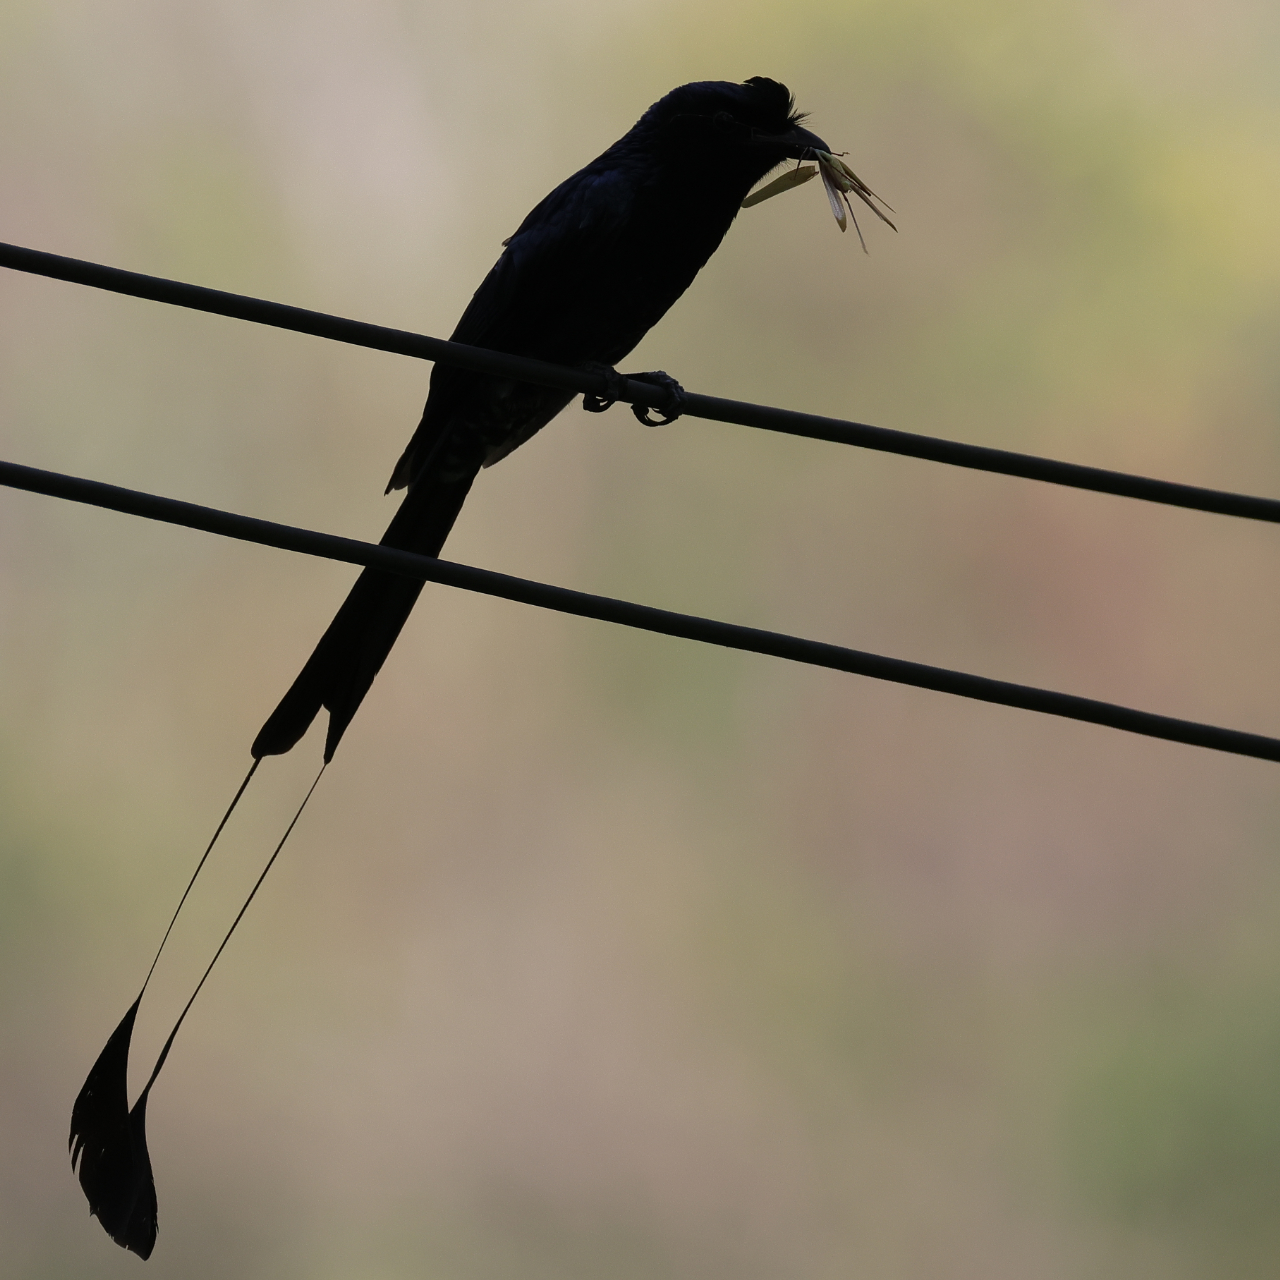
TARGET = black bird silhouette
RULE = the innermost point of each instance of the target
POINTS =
(591, 269)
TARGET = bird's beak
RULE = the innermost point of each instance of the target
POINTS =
(796, 143)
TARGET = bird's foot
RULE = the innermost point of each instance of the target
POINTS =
(615, 387)
(615, 384)
(676, 400)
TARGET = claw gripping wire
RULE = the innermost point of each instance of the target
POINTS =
(676, 399)
(616, 389)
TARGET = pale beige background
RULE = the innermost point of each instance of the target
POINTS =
(598, 954)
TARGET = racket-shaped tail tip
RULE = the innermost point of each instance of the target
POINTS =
(108, 1145)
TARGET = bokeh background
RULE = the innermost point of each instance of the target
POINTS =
(599, 954)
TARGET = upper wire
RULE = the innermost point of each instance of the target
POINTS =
(480, 360)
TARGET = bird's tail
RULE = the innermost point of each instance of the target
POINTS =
(351, 652)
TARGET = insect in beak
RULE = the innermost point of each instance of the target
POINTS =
(839, 180)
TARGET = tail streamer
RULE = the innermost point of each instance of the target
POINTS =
(108, 1140)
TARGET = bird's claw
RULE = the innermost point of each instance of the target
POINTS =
(616, 388)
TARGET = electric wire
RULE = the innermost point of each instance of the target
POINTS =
(644, 617)
(713, 408)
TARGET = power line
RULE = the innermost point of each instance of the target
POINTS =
(479, 360)
(625, 613)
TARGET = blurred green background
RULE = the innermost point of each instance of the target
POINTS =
(599, 954)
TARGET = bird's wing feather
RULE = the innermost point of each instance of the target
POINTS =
(555, 243)
(525, 305)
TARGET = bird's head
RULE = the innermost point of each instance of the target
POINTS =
(725, 137)
(753, 126)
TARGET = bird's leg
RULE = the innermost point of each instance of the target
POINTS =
(616, 390)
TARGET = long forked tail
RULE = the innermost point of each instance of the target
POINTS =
(351, 652)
